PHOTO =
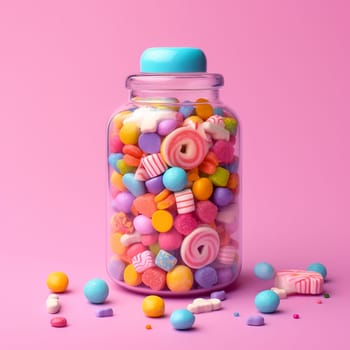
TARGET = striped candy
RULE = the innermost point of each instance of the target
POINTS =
(184, 201)
(143, 261)
(154, 164)
(227, 255)
(299, 281)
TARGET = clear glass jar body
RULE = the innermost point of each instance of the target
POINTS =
(174, 213)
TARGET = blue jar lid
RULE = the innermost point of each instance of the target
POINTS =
(173, 60)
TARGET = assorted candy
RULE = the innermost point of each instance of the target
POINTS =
(174, 187)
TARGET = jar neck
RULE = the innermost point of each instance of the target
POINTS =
(146, 88)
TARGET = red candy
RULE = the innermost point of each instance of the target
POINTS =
(223, 151)
(58, 322)
(154, 277)
(185, 223)
(206, 211)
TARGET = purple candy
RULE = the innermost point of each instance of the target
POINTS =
(255, 320)
(166, 126)
(149, 142)
(206, 276)
(116, 269)
(225, 275)
(222, 196)
(123, 202)
(155, 185)
(220, 294)
(104, 312)
(143, 225)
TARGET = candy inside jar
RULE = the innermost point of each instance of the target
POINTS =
(173, 167)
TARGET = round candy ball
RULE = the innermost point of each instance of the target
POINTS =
(264, 271)
(317, 267)
(267, 301)
(153, 306)
(96, 291)
(175, 179)
(57, 282)
(182, 319)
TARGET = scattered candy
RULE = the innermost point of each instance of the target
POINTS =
(236, 314)
(264, 271)
(182, 319)
(326, 295)
(296, 316)
(58, 322)
(200, 305)
(148, 326)
(299, 281)
(255, 320)
(220, 294)
(108, 312)
(96, 291)
(317, 267)
(319, 301)
(153, 306)
(57, 282)
(267, 301)
(53, 304)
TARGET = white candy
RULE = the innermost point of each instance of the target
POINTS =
(216, 131)
(280, 292)
(200, 305)
(53, 304)
(130, 238)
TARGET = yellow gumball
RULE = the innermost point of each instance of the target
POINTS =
(179, 279)
(57, 282)
(202, 189)
(153, 306)
(129, 134)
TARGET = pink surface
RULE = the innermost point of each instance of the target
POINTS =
(62, 72)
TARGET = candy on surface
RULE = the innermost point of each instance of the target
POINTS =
(145, 204)
(267, 301)
(236, 314)
(264, 271)
(162, 220)
(182, 319)
(165, 260)
(185, 223)
(131, 276)
(165, 127)
(220, 294)
(153, 306)
(209, 164)
(53, 304)
(155, 184)
(129, 133)
(206, 211)
(143, 261)
(222, 196)
(220, 177)
(206, 277)
(113, 159)
(58, 322)
(57, 282)
(184, 147)
(203, 108)
(280, 292)
(216, 131)
(96, 291)
(201, 305)
(154, 278)
(124, 168)
(106, 312)
(184, 201)
(116, 245)
(170, 240)
(148, 118)
(143, 224)
(123, 202)
(299, 281)
(153, 164)
(202, 188)
(175, 179)
(116, 269)
(136, 187)
(149, 142)
(179, 279)
(255, 320)
(200, 247)
(318, 267)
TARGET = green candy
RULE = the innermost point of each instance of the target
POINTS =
(220, 177)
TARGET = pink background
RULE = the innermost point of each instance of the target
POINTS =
(62, 70)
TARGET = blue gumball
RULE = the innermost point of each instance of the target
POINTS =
(175, 179)
(267, 301)
(182, 319)
(96, 291)
(264, 271)
(318, 267)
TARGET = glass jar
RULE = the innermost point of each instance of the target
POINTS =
(174, 224)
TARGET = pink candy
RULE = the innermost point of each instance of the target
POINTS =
(206, 211)
(184, 201)
(185, 223)
(143, 261)
(223, 151)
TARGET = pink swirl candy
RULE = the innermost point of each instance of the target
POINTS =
(200, 247)
(184, 148)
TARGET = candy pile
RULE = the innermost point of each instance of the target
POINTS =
(174, 197)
